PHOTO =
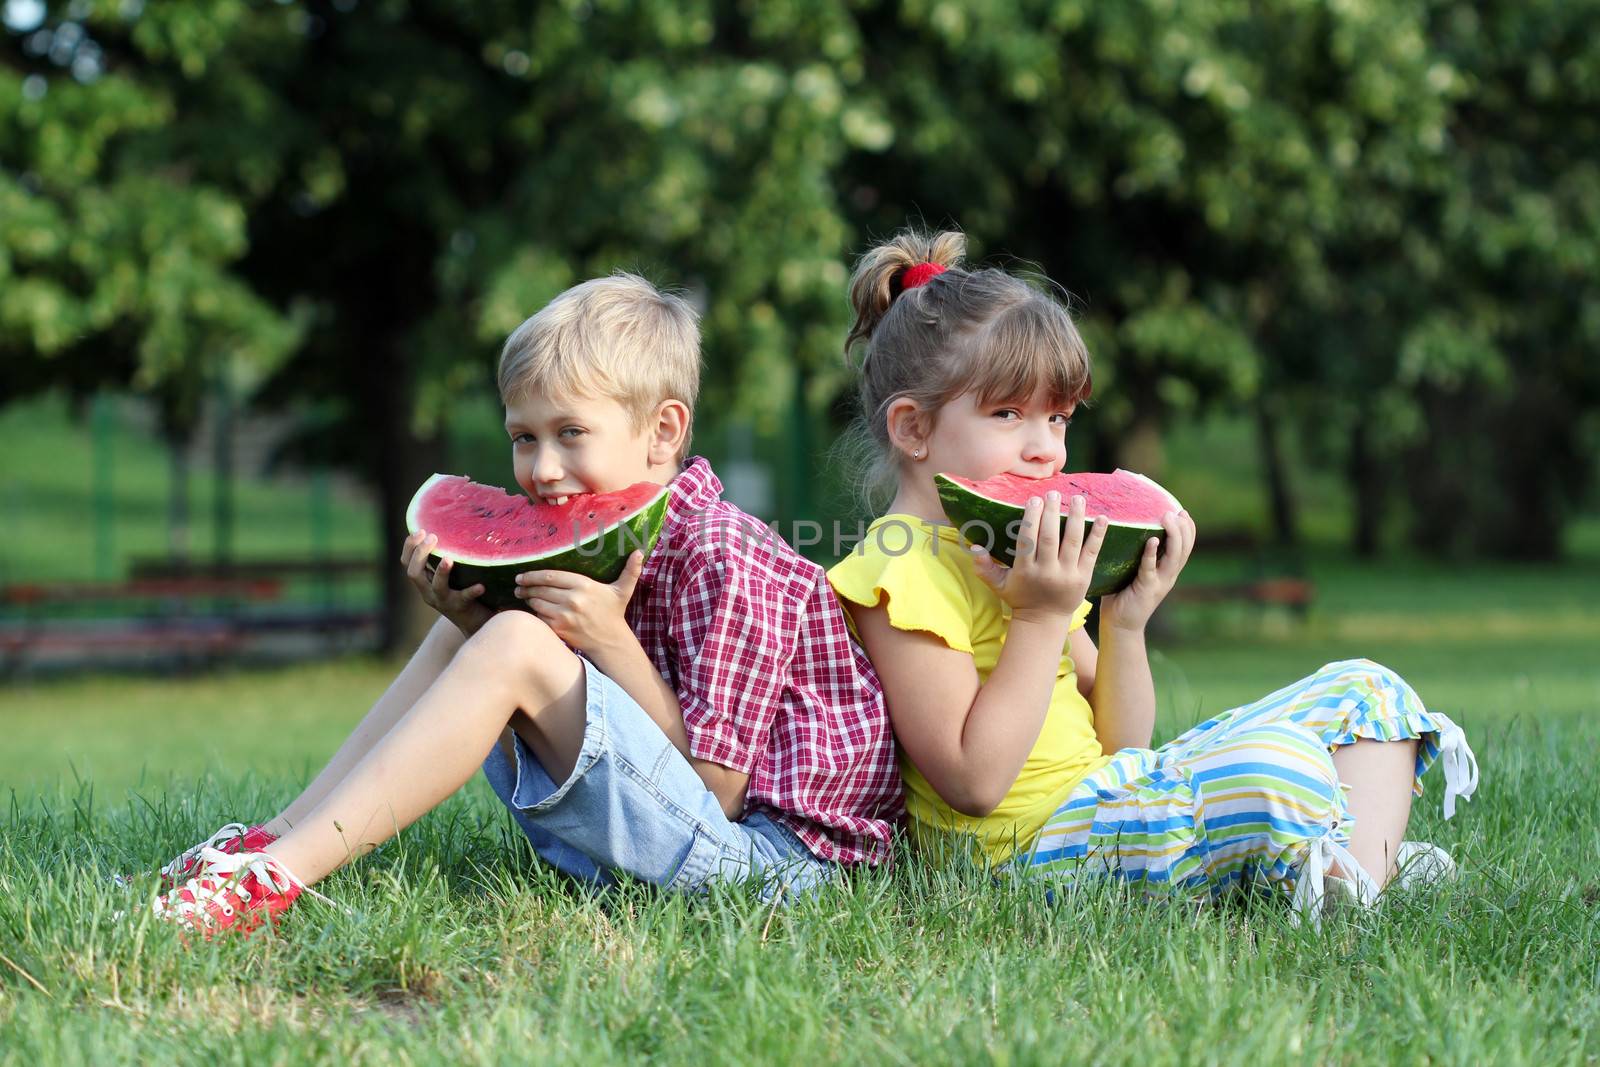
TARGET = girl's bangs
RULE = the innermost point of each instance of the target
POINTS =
(1027, 349)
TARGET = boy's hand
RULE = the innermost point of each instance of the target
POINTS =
(1050, 570)
(584, 613)
(460, 606)
(1132, 608)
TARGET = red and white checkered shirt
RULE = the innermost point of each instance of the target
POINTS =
(749, 633)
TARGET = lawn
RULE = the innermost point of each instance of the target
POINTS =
(457, 948)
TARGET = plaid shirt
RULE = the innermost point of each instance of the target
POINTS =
(750, 635)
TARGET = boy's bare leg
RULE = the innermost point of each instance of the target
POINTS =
(426, 664)
(515, 670)
(1379, 774)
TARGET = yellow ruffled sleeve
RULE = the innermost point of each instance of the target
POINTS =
(923, 590)
(1080, 616)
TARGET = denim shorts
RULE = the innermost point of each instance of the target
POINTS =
(633, 805)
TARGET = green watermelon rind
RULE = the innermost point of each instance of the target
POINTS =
(1114, 568)
(601, 557)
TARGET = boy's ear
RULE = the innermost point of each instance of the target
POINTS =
(906, 425)
(669, 431)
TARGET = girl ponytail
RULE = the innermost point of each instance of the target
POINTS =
(880, 273)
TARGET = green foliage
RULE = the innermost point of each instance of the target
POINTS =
(117, 259)
(1375, 222)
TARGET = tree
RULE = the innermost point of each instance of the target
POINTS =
(116, 259)
(1370, 222)
(1502, 360)
(418, 177)
(1193, 172)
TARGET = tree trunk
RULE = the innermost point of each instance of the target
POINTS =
(1366, 492)
(1285, 525)
(1539, 463)
(405, 461)
(1142, 449)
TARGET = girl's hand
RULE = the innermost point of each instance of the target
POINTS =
(1131, 609)
(1051, 570)
(460, 606)
(586, 614)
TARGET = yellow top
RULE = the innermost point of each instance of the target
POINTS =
(932, 585)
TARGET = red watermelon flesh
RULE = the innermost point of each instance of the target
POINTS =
(1121, 496)
(492, 535)
(987, 512)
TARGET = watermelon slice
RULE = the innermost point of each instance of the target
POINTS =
(492, 535)
(984, 511)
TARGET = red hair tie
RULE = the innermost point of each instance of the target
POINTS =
(921, 274)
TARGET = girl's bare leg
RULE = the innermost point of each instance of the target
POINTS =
(515, 670)
(1379, 775)
(426, 664)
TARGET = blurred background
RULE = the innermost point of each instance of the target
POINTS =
(1336, 262)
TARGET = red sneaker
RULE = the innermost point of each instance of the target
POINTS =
(232, 838)
(231, 891)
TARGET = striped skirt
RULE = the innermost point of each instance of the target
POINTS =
(1250, 797)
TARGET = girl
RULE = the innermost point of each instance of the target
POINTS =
(1014, 728)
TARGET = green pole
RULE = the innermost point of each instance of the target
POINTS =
(222, 474)
(103, 429)
(322, 531)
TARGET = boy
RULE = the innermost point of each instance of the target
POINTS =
(705, 717)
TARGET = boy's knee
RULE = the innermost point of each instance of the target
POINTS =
(512, 627)
(519, 641)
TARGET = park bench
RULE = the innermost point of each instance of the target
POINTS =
(1272, 577)
(334, 568)
(1293, 593)
(178, 613)
(180, 618)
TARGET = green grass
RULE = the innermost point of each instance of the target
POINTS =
(458, 948)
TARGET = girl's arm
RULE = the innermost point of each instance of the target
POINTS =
(1124, 688)
(1122, 692)
(1123, 695)
(968, 741)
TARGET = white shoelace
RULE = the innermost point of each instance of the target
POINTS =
(222, 879)
(186, 858)
(1460, 765)
(1311, 886)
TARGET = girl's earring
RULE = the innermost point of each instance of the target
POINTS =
(916, 454)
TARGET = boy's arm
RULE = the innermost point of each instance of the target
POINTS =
(624, 661)
(590, 616)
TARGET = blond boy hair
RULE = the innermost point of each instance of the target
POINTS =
(618, 337)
